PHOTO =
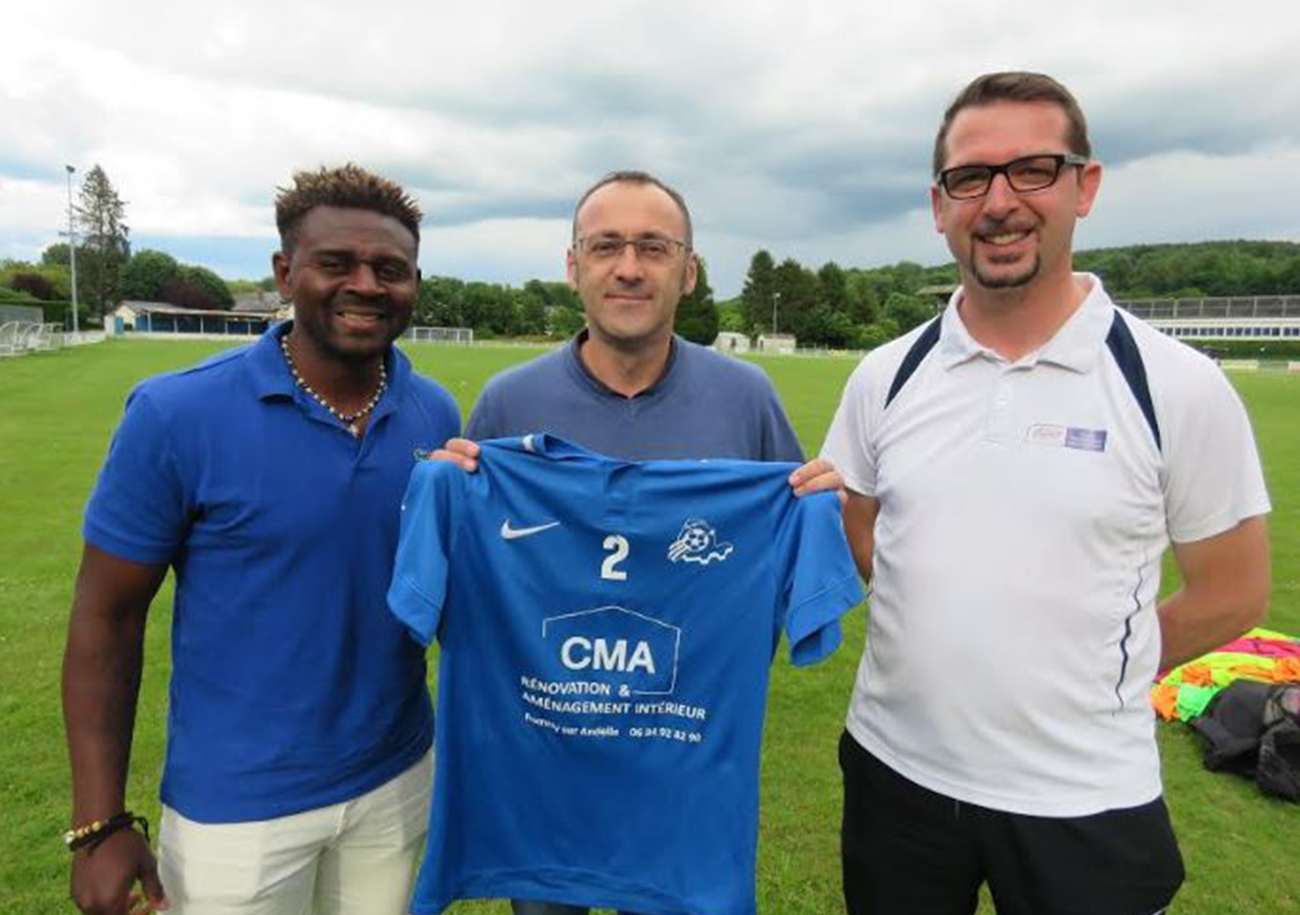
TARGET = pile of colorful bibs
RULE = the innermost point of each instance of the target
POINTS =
(1244, 699)
(1261, 655)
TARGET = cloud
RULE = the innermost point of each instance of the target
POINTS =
(34, 212)
(802, 129)
(1172, 197)
(499, 250)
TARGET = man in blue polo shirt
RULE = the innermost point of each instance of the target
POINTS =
(268, 478)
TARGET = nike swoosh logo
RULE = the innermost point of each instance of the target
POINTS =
(514, 533)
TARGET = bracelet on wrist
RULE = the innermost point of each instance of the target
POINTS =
(89, 835)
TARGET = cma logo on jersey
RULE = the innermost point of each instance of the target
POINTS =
(632, 652)
(698, 542)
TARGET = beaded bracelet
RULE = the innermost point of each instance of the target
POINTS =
(96, 831)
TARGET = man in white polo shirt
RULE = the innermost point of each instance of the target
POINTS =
(1016, 470)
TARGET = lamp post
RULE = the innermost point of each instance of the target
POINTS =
(776, 300)
(72, 249)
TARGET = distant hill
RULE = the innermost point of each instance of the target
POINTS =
(1210, 268)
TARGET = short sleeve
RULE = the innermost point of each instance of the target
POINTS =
(848, 444)
(822, 582)
(140, 506)
(484, 422)
(429, 509)
(779, 440)
(1213, 477)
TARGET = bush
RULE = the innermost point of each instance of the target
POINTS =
(196, 287)
(908, 311)
(565, 322)
(215, 287)
(872, 335)
(1248, 349)
(35, 281)
(17, 297)
(697, 321)
(178, 292)
(146, 273)
(34, 284)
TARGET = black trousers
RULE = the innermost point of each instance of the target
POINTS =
(911, 851)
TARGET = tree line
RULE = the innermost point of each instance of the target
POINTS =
(859, 308)
(834, 306)
(1197, 270)
(541, 308)
(831, 306)
(862, 308)
(107, 271)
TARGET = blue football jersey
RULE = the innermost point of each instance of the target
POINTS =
(606, 631)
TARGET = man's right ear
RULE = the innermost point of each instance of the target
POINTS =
(280, 272)
(936, 207)
(571, 269)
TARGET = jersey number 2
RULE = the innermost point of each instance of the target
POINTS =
(618, 546)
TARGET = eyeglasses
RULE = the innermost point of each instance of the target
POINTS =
(1030, 173)
(653, 249)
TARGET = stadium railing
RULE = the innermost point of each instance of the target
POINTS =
(1264, 306)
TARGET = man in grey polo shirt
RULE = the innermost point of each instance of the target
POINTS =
(627, 386)
(1016, 470)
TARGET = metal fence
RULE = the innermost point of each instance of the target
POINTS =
(1234, 307)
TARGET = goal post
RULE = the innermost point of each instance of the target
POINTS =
(458, 336)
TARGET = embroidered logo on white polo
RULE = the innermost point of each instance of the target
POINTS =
(1066, 437)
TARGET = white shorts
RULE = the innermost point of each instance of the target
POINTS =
(354, 858)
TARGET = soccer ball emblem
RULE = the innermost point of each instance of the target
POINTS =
(697, 538)
(697, 542)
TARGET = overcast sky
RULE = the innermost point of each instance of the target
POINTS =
(800, 127)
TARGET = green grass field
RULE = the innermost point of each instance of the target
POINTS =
(58, 409)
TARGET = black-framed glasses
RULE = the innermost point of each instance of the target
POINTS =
(1028, 173)
(655, 249)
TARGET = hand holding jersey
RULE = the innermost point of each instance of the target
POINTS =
(611, 623)
(626, 386)
(817, 475)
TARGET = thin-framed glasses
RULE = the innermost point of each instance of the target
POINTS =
(1028, 173)
(654, 249)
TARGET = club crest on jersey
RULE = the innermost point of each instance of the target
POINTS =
(698, 542)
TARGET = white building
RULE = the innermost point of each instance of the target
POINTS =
(731, 342)
(778, 344)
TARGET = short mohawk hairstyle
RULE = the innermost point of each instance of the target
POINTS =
(346, 186)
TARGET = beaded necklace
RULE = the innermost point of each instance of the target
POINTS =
(349, 420)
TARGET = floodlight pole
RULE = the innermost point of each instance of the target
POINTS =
(776, 300)
(72, 249)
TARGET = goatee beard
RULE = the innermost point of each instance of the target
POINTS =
(1010, 281)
